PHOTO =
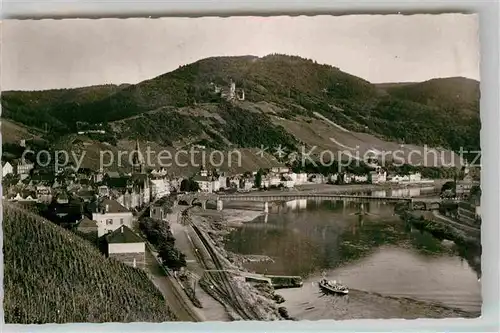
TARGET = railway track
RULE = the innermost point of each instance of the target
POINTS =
(221, 281)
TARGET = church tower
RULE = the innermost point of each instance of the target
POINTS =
(138, 159)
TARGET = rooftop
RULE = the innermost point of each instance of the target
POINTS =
(123, 235)
(199, 178)
(86, 222)
(113, 206)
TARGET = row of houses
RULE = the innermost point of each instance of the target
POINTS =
(283, 177)
(110, 221)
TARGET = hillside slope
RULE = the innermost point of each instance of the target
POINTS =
(53, 276)
(48, 109)
(455, 105)
(182, 107)
(446, 92)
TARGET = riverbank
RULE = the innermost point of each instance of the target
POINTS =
(469, 243)
(354, 188)
(439, 228)
(362, 303)
(235, 217)
(259, 299)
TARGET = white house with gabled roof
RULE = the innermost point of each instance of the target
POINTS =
(110, 215)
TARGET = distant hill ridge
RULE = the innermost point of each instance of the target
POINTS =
(181, 107)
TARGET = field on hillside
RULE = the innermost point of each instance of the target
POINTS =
(53, 276)
(12, 132)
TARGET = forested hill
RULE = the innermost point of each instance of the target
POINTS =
(439, 112)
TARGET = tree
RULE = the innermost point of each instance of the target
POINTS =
(172, 257)
(475, 193)
(448, 186)
(258, 178)
(189, 185)
(475, 190)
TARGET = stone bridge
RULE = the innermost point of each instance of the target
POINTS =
(219, 199)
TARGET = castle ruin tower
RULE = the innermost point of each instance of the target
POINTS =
(242, 95)
(232, 90)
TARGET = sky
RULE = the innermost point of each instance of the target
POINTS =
(48, 54)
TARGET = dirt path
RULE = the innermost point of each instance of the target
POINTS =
(180, 305)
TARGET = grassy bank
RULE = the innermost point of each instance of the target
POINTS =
(468, 246)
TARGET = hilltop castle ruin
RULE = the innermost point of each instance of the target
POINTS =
(231, 93)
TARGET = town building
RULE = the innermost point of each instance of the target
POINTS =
(377, 177)
(22, 196)
(287, 181)
(62, 198)
(463, 187)
(44, 193)
(207, 183)
(223, 179)
(298, 178)
(234, 182)
(159, 188)
(398, 178)
(126, 246)
(317, 178)
(23, 168)
(86, 195)
(281, 169)
(110, 215)
(65, 210)
(274, 180)
(87, 226)
(103, 191)
(131, 198)
(175, 184)
(333, 178)
(415, 177)
(246, 184)
(159, 173)
(158, 212)
(360, 178)
(7, 169)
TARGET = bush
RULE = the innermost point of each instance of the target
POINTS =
(158, 233)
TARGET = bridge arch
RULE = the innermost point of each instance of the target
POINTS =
(419, 205)
(433, 205)
(196, 199)
(211, 203)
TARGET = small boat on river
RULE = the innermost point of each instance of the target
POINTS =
(333, 287)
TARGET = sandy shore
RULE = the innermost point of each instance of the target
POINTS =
(240, 216)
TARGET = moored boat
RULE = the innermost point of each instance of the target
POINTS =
(333, 287)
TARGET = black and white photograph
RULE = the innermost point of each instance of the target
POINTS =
(243, 168)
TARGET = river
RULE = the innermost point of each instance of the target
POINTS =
(365, 246)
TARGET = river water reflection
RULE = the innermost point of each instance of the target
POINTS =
(365, 246)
